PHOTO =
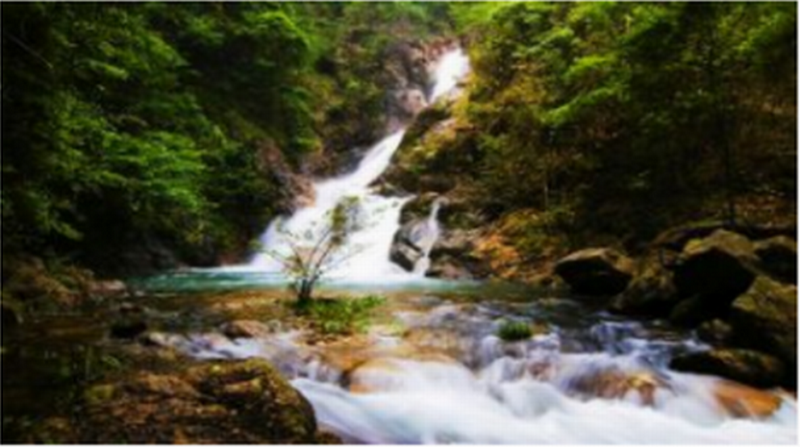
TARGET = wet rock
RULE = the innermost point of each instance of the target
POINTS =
(745, 366)
(765, 318)
(616, 384)
(745, 402)
(128, 328)
(217, 402)
(778, 258)
(715, 331)
(718, 268)
(410, 242)
(113, 288)
(651, 292)
(596, 271)
(405, 255)
(692, 312)
(246, 329)
(448, 269)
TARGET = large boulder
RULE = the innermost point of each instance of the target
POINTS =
(765, 318)
(651, 292)
(596, 271)
(409, 242)
(240, 402)
(718, 268)
(745, 366)
(454, 256)
(778, 258)
(742, 401)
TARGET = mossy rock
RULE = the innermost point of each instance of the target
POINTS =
(651, 292)
(220, 402)
(765, 318)
(745, 366)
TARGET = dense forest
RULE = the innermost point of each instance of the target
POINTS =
(596, 197)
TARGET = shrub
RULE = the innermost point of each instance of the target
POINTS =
(514, 330)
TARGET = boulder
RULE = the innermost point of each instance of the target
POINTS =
(742, 401)
(108, 289)
(613, 383)
(453, 256)
(220, 402)
(246, 329)
(596, 271)
(718, 268)
(765, 318)
(745, 366)
(715, 331)
(650, 293)
(692, 312)
(448, 269)
(404, 254)
(778, 258)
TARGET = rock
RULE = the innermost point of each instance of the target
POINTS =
(596, 271)
(765, 318)
(108, 289)
(616, 384)
(246, 329)
(405, 255)
(715, 331)
(745, 402)
(650, 293)
(239, 402)
(718, 268)
(128, 328)
(741, 365)
(448, 269)
(410, 242)
(778, 258)
(692, 312)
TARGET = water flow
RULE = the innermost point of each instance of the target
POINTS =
(367, 249)
(432, 232)
(449, 379)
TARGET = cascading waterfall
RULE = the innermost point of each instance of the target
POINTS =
(429, 239)
(449, 379)
(368, 248)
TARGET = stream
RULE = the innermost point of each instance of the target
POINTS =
(432, 368)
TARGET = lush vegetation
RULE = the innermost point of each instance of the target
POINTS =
(341, 316)
(514, 330)
(593, 122)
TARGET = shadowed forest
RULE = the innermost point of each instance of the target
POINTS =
(403, 222)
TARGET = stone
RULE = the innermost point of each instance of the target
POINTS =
(765, 318)
(715, 331)
(741, 365)
(718, 268)
(596, 271)
(219, 402)
(246, 329)
(745, 402)
(614, 383)
(405, 255)
(108, 288)
(694, 311)
(778, 258)
(651, 292)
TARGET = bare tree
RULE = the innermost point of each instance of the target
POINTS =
(317, 251)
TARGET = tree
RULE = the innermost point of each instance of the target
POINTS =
(316, 252)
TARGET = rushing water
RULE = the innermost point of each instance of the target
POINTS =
(433, 370)
(367, 250)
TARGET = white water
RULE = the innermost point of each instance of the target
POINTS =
(432, 231)
(449, 379)
(367, 250)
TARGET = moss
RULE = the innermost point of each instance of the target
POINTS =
(514, 331)
(99, 394)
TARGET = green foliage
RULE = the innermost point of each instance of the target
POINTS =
(630, 118)
(514, 330)
(137, 122)
(342, 316)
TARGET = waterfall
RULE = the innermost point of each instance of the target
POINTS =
(367, 249)
(432, 231)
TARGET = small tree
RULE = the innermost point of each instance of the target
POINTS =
(318, 251)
